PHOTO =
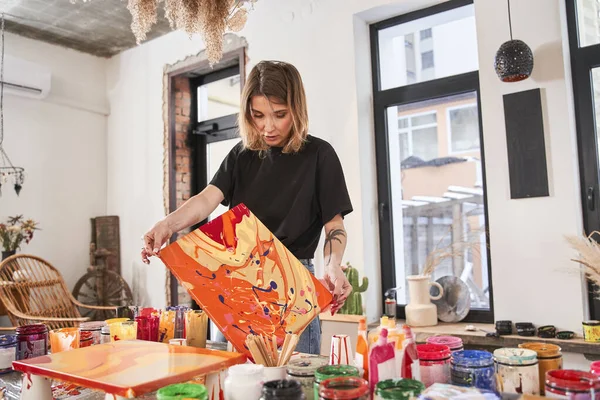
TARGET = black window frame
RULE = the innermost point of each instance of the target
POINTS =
(583, 60)
(203, 133)
(413, 93)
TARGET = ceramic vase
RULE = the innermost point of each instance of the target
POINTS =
(6, 254)
(421, 311)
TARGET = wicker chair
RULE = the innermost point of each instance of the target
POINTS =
(33, 291)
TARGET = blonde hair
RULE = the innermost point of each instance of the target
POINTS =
(281, 83)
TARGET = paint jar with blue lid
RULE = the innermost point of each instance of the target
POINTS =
(8, 351)
(473, 368)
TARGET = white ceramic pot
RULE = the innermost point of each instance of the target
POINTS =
(421, 311)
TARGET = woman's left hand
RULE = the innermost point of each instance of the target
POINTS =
(337, 283)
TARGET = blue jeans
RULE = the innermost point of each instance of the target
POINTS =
(310, 340)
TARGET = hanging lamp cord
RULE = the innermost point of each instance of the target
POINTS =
(509, 21)
(2, 81)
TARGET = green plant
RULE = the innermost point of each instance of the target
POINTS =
(353, 304)
(15, 231)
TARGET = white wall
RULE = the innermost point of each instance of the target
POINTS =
(330, 47)
(63, 151)
(529, 253)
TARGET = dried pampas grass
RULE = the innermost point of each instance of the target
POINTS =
(589, 255)
(457, 249)
(209, 18)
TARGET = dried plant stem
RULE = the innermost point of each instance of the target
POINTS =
(209, 18)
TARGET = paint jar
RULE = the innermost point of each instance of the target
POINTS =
(591, 331)
(95, 328)
(196, 328)
(126, 330)
(333, 371)
(571, 384)
(398, 389)
(143, 328)
(244, 382)
(282, 390)
(181, 391)
(105, 334)
(166, 326)
(115, 320)
(8, 350)
(147, 327)
(549, 359)
(453, 342)
(64, 339)
(32, 341)
(595, 368)
(86, 339)
(303, 370)
(473, 368)
(517, 371)
(344, 388)
(434, 360)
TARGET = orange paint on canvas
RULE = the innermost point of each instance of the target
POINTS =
(245, 279)
(129, 368)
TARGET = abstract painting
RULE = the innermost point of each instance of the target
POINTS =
(129, 368)
(245, 279)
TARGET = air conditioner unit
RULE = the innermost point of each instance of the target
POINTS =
(25, 78)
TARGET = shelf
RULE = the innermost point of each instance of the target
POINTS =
(478, 338)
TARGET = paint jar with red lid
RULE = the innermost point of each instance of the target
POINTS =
(434, 361)
(86, 338)
(344, 388)
(32, 341)
(572, 384)
(595, 368)
(453, 342)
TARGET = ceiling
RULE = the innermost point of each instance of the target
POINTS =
(98, 27)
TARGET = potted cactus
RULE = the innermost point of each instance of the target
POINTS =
(353, 304)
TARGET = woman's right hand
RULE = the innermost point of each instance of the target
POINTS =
(154, 240)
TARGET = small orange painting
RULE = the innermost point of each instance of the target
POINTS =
(245, 279)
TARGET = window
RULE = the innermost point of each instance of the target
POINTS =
(218, 96)
(588, 22)
(427, 60)
(464, 128)
(451, 36)
(426, 34)
(418, 136)
(430, 198)
(584, 42)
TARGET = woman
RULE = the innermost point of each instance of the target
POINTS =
(293, 182)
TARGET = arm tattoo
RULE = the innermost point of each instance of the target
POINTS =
(337, 235)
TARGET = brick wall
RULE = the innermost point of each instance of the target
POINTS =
(183, 156)
(183, 151)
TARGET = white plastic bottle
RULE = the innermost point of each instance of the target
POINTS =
(244, 382)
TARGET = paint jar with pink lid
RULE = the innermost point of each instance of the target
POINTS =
(32, 341)
(453, 342)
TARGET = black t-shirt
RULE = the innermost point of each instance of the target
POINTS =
(294, 195)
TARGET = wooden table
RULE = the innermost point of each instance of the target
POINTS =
(128, 368)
